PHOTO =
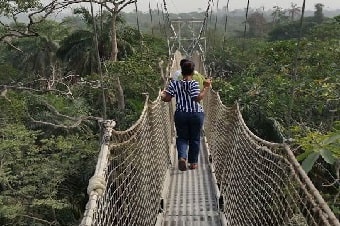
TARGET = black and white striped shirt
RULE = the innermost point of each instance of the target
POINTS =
(185, 93)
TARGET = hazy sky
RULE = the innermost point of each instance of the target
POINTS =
(177, 6)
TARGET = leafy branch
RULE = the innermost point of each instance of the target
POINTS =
(76, 120)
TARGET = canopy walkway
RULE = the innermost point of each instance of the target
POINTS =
(241, 180)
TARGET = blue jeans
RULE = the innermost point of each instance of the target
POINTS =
(188, 128)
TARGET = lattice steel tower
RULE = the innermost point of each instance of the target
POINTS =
(187, 36)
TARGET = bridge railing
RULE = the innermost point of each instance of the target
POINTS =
(133, 171)
(260, 183)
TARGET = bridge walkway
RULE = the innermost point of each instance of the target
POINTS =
(192, 197)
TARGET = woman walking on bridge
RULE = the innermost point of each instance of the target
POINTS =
(188, 116)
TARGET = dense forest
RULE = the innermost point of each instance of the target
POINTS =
(58, 78)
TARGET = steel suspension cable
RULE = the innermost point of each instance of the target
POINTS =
(203, 27)
(168, 18)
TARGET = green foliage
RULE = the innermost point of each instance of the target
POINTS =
(289, 91)
(320, 158)
(63, 161)
(26, 163)
(316, 144)
(79, 47)
(268, 88)
(318, 14)
(328, 30)
(138, 76)
(8, 74)
(35, 54)
(13, 7)
(261, 76)
(290, 31)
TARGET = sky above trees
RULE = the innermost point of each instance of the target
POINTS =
(179, 6)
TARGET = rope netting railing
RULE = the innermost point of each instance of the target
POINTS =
(136, 164)
(260, 183)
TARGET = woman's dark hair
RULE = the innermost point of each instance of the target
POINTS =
(188, 68)
(182, 62)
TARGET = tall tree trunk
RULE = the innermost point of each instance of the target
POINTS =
(119, 92)
(114, 51)
(114, 47)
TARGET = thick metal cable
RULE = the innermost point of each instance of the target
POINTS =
(204, 25)
(168, 19)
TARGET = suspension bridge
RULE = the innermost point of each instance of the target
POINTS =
(241, 180)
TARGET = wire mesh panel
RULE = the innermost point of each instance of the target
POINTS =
(261, 183)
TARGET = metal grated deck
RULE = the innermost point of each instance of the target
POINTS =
(191, 198)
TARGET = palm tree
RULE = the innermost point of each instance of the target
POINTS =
(118, 5)
(293, 11)
(37, 55)
(278, 15)
(256, 23)
(78, 51)
(318, 14)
